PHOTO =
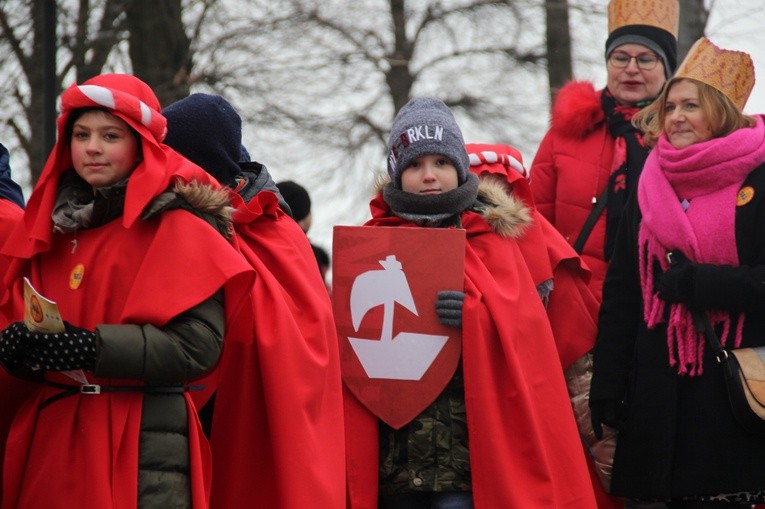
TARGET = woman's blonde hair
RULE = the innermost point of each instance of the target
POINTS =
(724, 117)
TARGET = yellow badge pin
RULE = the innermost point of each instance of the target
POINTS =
(745, 195)
(75, 278)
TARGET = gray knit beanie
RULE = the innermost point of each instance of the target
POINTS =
(425, 126)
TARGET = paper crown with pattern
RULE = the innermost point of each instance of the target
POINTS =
(731, 72)
(664, 14)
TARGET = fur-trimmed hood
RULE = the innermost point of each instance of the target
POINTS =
(212, 205)
(507, 215)
(577, 110)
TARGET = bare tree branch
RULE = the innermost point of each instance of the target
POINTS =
(13, 41)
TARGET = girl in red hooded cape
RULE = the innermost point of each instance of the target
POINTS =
(146, 281)
(524, 448)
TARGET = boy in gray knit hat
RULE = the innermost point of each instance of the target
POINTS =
(430, 186)
(462, 451)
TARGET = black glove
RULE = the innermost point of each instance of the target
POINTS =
(74, 348)
(676, 283)
(12, 341)
(606, 411)
(449, 307)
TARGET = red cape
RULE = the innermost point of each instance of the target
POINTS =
(572, 307)
(165, 274)
(573, 313)
(525, 450)
(82, 450)
(277, 436)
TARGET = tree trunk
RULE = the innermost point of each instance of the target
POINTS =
(160, 50)
(399, 77)
(693, 22)
(90, 52)
(559, 68)
(35, 143)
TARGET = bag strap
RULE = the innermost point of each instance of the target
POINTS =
(726, 360)
(589, 224)
(701, 321)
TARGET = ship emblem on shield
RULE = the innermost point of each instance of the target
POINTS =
(408, 355)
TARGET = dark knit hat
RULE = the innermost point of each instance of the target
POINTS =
(425, 126)
(657, 40)
(207, 130)
(650, 23)
(296, 197)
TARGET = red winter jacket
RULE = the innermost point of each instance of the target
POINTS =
(571, 169)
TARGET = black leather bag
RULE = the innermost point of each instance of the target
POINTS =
(744, 373)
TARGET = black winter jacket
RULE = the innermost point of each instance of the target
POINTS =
(680, 439)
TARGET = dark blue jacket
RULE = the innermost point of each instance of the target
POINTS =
(9, 189)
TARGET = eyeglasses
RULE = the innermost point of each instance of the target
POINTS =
(645, 61)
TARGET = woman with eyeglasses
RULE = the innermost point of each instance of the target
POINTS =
(591, 144)
(590, 159)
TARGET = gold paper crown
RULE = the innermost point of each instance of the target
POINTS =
(730, 72)
(664, 14)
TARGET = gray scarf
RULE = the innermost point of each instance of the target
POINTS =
(76, 199)
(431, 210)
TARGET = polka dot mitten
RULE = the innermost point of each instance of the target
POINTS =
(74, 348)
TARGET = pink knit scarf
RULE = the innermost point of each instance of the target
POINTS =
(688, 201)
